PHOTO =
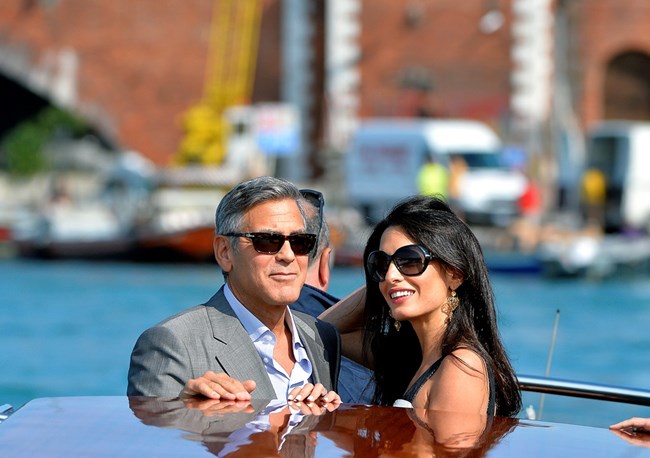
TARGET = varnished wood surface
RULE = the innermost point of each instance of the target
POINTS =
(137, 426)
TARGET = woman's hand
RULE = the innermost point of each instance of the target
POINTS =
(640, 424)
(635, 430)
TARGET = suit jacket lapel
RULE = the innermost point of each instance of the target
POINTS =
(235, 350)
(315, 352)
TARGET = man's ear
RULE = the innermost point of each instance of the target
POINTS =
(222, 252)
(324, 268)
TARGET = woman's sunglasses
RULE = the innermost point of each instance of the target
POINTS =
(271, 243)
(410, 260)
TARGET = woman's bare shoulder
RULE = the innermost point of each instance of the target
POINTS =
(467, 360)
(460, 384)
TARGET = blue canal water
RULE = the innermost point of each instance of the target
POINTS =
(67, 328)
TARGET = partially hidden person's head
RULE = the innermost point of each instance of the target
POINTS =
(417, 258)
(261, 241)
(318, 272)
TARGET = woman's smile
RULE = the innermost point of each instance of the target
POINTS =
(396, 294)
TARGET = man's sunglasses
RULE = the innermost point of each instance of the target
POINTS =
(317, 200)
(271, 243)
(410, 260)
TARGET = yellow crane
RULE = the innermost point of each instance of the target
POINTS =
(234, 36)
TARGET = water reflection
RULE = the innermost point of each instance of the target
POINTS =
(263, 428)
(231, 428)
(383, 431)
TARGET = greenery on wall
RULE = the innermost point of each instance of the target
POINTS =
(24, 144)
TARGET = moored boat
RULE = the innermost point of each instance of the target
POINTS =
(596, 257)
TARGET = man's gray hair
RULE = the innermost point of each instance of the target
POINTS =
(240, 199)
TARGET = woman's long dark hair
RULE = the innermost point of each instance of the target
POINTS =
(397, 355)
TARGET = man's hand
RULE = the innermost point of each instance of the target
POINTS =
(211, 407)
(218, 386)
(314, 393)
(314, 408)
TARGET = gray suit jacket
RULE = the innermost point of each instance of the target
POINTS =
(211, 337)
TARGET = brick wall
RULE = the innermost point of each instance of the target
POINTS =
(602, 30)
(439, 44)
(469, 70)
(141, 63)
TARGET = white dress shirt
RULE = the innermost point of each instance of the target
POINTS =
(264, 341)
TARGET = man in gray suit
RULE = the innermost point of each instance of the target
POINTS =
(245, 342)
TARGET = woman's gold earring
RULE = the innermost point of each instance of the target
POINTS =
(396, 324)
(450, 305)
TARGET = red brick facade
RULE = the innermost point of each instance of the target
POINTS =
(436, 44)
(139, 68)
(142, 63)
(469, 70)
(603, 30)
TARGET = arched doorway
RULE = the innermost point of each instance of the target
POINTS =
(19, 102)
(627, 87)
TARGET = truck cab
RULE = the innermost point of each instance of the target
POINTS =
(385, 156)
(620, 151)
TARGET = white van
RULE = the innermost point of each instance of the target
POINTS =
(621, 151)
(385, 155)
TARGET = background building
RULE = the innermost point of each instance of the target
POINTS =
(538, 71)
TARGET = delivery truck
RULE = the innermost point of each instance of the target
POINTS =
(385, 155)
(620, 151)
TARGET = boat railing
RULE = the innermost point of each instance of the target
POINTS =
(601, 392)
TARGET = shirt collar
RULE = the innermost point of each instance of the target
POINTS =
(253, 326)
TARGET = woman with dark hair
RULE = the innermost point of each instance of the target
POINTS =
(428, 319)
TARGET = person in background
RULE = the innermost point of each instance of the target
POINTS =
(526, 229)
(426, 321)
(314, 298)
(433, 179)
(355, 381)
(245, 342)
(457, 170)
(594, 197)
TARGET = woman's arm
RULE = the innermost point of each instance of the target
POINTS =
(347, 316)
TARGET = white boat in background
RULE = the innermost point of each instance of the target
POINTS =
(88, 214)
(93, 232)
(596, 257)
(66, 231)
(178, 233)
(128, 211)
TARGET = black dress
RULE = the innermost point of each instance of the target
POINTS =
(415, 388)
